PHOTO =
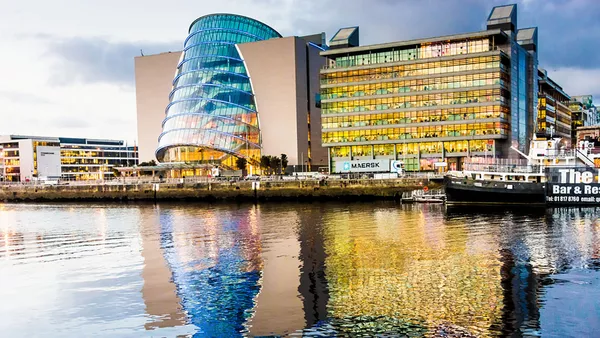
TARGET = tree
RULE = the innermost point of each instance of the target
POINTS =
(241, 163)
(274, 163)
(148, 164)
(284, 162)
(265, 161)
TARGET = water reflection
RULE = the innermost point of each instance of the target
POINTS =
(298, 270)
(163, 305)
(216, 265)
(408, 265)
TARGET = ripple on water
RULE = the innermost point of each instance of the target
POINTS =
(358, 270)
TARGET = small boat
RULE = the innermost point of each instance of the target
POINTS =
(513, 182)
(430, 199)
(425, 196)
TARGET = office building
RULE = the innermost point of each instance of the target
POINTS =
(554, 115)
(238, 90)
(583, 112)
(430, 103)
(27, 158)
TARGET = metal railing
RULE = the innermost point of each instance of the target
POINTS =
(503, 168)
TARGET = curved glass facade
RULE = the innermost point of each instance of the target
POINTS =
(212, 117)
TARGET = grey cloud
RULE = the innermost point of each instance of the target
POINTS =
(23, 97)
(71, 122)
(387, 20)
(97, 60)
(578, 81)
(568, 30)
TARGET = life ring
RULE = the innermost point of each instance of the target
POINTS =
(425, 189)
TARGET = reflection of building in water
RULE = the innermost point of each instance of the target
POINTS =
(158, 292)
(577, 242)
(216, 268)
(313, 284)
(410, 277)
(11, 241)
(293, 292)
(521, 292)
(278, 305)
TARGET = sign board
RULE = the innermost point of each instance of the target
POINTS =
(397, 167)
(574, 185)
(48, 161)
(363, 166)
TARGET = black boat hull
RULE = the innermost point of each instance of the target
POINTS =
(468, 191)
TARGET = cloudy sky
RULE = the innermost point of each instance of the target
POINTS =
(66, 66)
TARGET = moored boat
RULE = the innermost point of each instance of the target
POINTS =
(512, 182)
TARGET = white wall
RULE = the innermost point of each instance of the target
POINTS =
(154, 76)
(26, 159)
(271, 65)
(48, 161)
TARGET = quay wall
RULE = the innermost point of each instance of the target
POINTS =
(218, 191)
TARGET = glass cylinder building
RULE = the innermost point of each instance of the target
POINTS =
(212, 117)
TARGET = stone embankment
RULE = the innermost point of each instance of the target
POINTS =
(221, 191)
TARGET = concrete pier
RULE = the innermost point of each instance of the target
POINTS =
(221, 191)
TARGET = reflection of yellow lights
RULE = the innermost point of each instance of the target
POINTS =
(101, 219)
(412, 275)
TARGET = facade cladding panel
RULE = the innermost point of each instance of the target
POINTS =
(432, 103)
(212, 116)
(274, 72)
(153, 83)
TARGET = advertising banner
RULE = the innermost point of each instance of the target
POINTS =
(48, 161)
(363, 166)
(572, 186)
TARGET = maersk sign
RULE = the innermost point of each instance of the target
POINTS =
(363, 166)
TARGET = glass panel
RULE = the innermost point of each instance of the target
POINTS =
(211, 114)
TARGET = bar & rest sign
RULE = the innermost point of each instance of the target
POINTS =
(573, 186)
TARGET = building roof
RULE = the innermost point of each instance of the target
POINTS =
(343, 34)
(501, 12)
(414, 42)
(502, 15)
(526, 33)
(231, 15)
(543, 78)
(527, 36)
(345, 37)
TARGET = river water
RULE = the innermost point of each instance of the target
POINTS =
(319, 270)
